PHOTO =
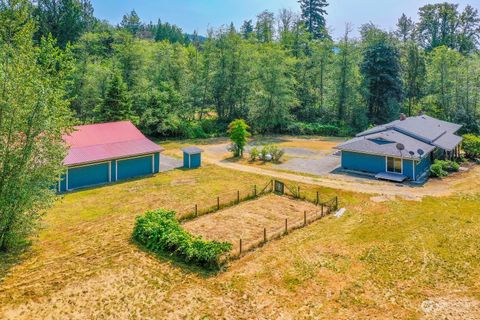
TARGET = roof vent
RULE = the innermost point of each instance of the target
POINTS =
(403, 117)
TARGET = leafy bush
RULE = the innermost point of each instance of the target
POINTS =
(471, 146)
(273, 150)
(254, 154)
(160, 232)
(436, 170)
(302, 128)
(448, 166)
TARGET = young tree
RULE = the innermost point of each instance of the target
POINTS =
(238, 132)
(33, 117)
(65, 20)
(414, 74)
(116, 104)
(381, 73)
(313, 15)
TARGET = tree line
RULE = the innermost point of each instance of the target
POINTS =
(281, 72)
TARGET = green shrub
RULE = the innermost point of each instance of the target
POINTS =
(254, 154)
(436, 170)
(471, 146)
(160, 232)
(448, 166)
(273, 150)
(302, 128)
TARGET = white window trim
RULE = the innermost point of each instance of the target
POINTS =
(153, 163)
(386, 165)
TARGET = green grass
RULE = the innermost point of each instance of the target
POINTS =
(380, 260)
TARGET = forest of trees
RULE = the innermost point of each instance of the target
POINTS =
(281, 72)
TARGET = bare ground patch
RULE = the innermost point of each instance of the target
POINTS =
(247, 220)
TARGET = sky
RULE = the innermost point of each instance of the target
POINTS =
(201, 15)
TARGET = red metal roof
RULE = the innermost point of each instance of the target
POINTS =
(106, 141)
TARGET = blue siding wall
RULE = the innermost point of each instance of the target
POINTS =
(363, 162)
(63, 183)
(157, 162)
(82, 177)
(185, 160)
(195, 160)
(136, 167)
(423, 166)
(408, 169)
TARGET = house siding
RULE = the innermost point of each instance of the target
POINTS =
(363, 162)
(408, 166)
(423, 166)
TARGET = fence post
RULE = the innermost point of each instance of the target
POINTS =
(238, 196)
(336, 203)
(318, 198)
(304, 218)
(196, 210)
(272, 185)
(298, 192)
(240, 246)
(218, 203)
(265, 235)
(286, 226)
(322, 209)
(255, 191)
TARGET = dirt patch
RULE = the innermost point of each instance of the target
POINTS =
(461, 308)
(180, 182)
(247, 220)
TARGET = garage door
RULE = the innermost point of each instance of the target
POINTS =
(87, 176)
(137, 167)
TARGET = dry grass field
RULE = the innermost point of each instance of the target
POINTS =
(394, 259)
(247, 220)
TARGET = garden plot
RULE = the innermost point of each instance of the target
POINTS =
(247, 220)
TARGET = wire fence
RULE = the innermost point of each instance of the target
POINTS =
(222, 201)
(289, 225)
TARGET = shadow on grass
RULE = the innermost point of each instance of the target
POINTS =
(177, 262)
(10, 259)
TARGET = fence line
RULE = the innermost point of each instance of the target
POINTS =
(327, 208)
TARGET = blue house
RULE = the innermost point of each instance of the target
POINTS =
(403, 149)
(107, 152)
(192, 157)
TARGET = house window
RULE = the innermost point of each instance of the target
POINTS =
(394, 165)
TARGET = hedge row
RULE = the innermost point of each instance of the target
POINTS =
(160, 232)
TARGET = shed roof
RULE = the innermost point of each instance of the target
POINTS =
(192, 150)
(106, 141)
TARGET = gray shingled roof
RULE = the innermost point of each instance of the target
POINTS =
(422, 127)
(192, 150)
(385, 144)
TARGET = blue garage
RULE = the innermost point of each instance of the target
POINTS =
(105, 153)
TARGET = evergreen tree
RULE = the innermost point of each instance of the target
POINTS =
(247, 29)
(405, 28)
(116, 104)
(381, 73)
(313, 15)
(131, 22)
